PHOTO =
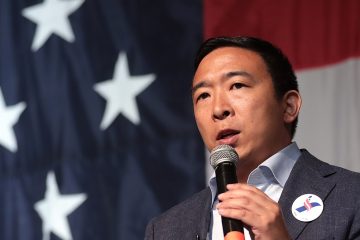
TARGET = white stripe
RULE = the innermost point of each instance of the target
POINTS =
(329, 124)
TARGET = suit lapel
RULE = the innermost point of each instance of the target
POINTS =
(307, 177)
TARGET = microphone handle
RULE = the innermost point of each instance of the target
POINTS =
(226, 174)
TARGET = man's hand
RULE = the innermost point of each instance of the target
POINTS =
(255, 209)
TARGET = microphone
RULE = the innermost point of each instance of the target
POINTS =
(223, 159)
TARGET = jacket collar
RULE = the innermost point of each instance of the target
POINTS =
(309, 176)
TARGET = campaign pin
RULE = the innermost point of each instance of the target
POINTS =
(307, 207)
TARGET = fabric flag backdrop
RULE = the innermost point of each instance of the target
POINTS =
(322, 40)
(96, 125)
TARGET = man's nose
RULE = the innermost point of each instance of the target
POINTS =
(221, 107)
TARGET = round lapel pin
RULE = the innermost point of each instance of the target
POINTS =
(307, 207)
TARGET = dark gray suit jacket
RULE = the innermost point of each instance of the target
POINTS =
(338, 188)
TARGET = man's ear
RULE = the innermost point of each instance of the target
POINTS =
(292, 104)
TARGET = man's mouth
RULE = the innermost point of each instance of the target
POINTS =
(226, 134)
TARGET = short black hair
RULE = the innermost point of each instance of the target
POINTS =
(278, 65)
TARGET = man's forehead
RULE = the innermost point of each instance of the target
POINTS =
(229, 55)
(231, 61)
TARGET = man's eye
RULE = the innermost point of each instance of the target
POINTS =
(202, 96)
(237, 86)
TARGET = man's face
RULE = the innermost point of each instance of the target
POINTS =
(234, 103)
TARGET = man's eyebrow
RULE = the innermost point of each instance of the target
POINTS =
(199, 85)
(227, 75)
(239, 73)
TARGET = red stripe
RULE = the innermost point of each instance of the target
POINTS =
(307, 204)
(311, 33)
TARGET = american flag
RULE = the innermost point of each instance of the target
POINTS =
(96, 126)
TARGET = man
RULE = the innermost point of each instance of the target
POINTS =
(245, 94)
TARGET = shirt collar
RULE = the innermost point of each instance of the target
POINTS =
(280, 164)
(277, 167)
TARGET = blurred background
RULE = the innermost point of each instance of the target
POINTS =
(97, 133)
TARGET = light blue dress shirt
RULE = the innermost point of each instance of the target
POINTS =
(270, 177)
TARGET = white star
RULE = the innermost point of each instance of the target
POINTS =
(9, 116)
(54, 208)
(120, 93)
(51, 16)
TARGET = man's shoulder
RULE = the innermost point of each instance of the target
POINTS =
(339, 190)
(327, 169)
(344, 179)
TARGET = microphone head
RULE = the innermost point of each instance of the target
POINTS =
(223, 153)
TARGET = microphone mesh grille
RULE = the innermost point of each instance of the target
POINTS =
(223, 153)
